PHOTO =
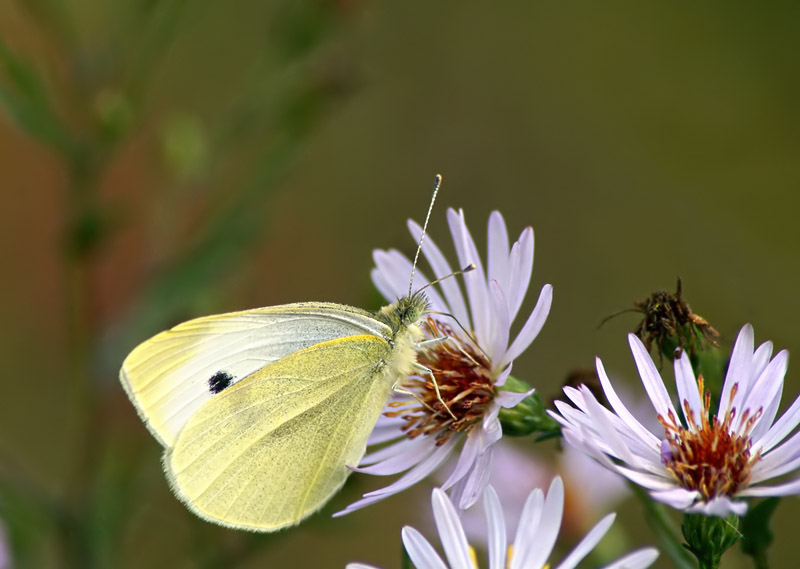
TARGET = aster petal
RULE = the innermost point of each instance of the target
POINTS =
(782, 460)
(657, 482)
(527, 529)
(552, 512)
(386, 429)
(678, 498)
(385, 286)
(451, 534)
(397, 457)
(475, 281)
(496, 527)
(441, 268)
(469, 489)
(359, 566)
(721, 507)
(688, 393)
(510, 399)
(587, 543)
(422, 553)
(651, 379)
(639, 559)
(467, 457)
(583, 424)
(502, 377)
(420, 471)
(393, 265)
(497, 257)
(500, 323)
(766, 391)
(531, 328)
(605, 429)
(621, 410)
(785, 489)
(738, 369)
(521, 268)
(767, 417)
(761, 358)
(780, 430)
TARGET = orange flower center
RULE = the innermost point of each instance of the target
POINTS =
(710, 458)
(465, 385)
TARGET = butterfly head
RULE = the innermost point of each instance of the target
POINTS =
(404, 313)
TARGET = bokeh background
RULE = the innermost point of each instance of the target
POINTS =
(164, 160)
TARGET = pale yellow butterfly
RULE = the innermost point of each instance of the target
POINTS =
(261, 412)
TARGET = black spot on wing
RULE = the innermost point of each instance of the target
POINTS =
(219, 381)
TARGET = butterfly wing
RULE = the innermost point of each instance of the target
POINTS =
(272, 449)
(170, 376)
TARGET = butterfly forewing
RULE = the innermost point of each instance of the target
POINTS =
(170, 376)
(272, 449)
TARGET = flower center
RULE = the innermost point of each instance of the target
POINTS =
(711, 458)
(464, 383)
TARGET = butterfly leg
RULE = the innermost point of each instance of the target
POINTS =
(429, 373)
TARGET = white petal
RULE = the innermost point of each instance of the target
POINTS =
(466, 459)
(393, 264)
(500, 324)
(785, 489)
(639, 559)
(510, 399)
(359, 566)
(721, 507)
(475, 281)
(619, 408)
(654, 482)
(496, 528)
(528, 528)
(422, 554)
(781, 429)
(451, 534)
(397, 457)
(532, 327)
(521, 269)
(651, 379)
(687, 389)
(477, 480)
(549, 527)
(678, 498)
(738, 369)
(587, 543)
(441, 268)
(388, 288)
(410, 478)
(606, 431)
(766, 391)
(497, 255)
(779, 462)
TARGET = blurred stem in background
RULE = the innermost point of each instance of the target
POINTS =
(85, 117)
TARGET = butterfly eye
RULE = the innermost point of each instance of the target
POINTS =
(219, 381)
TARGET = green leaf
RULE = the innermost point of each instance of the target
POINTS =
(756, 532)
(25, 98)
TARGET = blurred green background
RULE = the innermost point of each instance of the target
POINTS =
(164, 160)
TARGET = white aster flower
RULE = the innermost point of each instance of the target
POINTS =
(417, 434)
(535, 537)
(697, 463)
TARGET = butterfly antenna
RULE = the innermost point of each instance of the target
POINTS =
(437, 181)
(468, 268)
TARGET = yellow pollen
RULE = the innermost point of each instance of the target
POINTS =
(710, 458)
(466, 385)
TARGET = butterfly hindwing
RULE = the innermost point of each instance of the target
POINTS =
(272, 449)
